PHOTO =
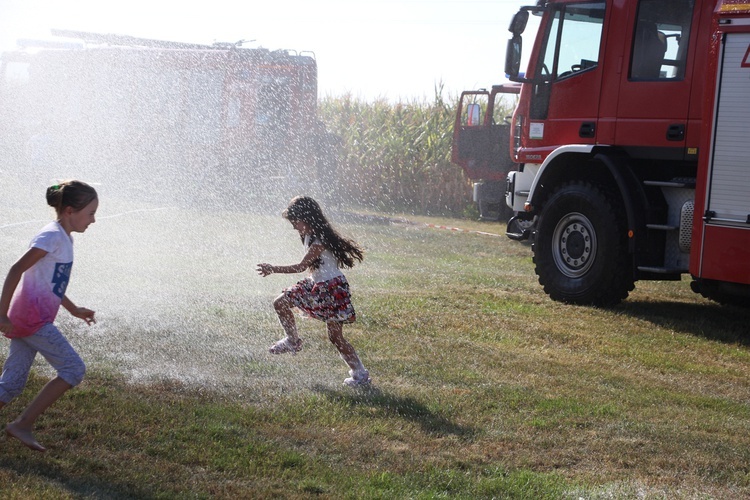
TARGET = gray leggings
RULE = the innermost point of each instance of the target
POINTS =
(56, 350)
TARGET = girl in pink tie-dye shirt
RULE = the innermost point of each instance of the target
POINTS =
(27, 312)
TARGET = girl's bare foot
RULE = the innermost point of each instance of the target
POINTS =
(24, 435)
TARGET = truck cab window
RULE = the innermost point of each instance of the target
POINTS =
(573, 40)
(660, 40)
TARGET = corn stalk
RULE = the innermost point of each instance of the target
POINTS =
(396, 156)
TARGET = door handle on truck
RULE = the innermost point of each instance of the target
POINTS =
(587, 130)
(676, 132)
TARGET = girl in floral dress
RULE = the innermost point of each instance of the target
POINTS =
(324, 294)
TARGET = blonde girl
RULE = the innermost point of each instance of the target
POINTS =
(27, 312)
(323, 295)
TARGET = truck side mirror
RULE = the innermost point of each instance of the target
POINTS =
(518, 23)
(513, 57)
(473, 115)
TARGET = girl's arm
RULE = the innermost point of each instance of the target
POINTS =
(31, 257)
(86, 315)
(310, 257)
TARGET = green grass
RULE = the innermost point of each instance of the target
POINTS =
(483, 387)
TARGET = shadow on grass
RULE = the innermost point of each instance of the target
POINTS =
(726, 324)
(26, 464)
(389, 405)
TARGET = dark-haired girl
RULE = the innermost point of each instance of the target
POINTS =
(324, 295)
(27, 312)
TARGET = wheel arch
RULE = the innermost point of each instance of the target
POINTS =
(576, 162)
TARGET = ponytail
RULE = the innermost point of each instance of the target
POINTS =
(74, 194)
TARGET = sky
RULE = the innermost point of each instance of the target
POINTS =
(370, 49)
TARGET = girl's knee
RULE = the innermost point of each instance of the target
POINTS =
(281, 302)
(73, 373)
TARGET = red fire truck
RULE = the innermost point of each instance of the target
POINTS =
(630, 146)
(167, 118)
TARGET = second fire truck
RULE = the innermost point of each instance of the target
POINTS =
(172, 120)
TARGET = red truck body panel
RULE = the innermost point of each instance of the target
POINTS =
(721, 232)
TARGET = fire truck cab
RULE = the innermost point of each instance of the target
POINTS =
(614, 171)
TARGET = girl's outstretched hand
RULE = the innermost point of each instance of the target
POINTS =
(86, 315)
(264, 269)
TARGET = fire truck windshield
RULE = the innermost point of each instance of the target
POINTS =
(573, 40)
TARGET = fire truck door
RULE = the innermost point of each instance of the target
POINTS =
(481, 133)
(655, 83)
(565, 97)
(473, 147)
(725, 252)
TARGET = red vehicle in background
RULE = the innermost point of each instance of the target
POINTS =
(480, 146)
(167, 118)
(629, 150)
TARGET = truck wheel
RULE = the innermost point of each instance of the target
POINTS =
(580, 248)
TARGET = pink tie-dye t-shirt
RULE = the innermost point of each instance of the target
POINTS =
(42, 288)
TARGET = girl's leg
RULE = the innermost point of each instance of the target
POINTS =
(22, 427)
(58, 352)
(16, 370)
(291, 343)
(286, 317)
(347, 352)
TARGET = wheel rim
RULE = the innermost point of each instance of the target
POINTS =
(574, 245)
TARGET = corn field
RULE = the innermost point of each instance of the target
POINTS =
(396, 156)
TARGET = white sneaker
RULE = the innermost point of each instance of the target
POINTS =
(358, 378)
(286, 345)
